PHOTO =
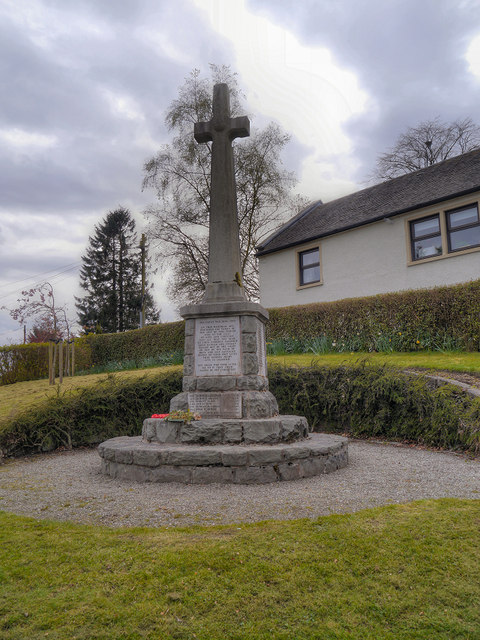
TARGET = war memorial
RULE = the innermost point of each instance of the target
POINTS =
(225, 426)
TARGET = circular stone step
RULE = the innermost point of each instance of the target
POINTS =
(227, 431)
(134, 459)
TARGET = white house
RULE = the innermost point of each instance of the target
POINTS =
(417, 231)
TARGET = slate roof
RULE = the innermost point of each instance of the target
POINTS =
(445, 180)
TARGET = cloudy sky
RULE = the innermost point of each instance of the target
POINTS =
(85, 85)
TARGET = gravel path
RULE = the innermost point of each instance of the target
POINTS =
(68, 486)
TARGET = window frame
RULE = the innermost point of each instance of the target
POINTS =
(299, 269)
(455, 204)
(426, 236)
(471, 225)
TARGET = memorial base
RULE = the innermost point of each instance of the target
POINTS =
(134, 459)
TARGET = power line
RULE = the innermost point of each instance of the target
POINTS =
(71, 265)
(16, 291)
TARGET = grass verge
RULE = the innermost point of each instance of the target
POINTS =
(451, 361)
(398, 572)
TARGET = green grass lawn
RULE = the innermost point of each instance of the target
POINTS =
(450, 360)
(398, 572)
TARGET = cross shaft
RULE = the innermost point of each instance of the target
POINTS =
(224, 264)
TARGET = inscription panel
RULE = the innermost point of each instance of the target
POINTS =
(217, 346)
(261, 350)
(216, 404)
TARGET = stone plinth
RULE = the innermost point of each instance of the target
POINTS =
(225, 368)
(141, 461)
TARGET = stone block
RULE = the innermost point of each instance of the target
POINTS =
(252, 383)
(166, 431)
(290, 471)
(131, 472)
(249, 364)
(249, 343)
(148, 457)
(209, 475)
(188, 366)
(249, 324)
(233, 432)
(216, 383)
(189, 383)
(124, 455)
(234, 457)
(261, 431)
(194, 456)
(189, 345)
(259, 404)
(296, 452)
(107, 453)
(168, 473)
(201, 433)
(106, 467)
(294, 428)
(189, 327)
(148, 430)
(331, 464)
(314, 466)
(264, 455)
(179, 402)
(254, 475)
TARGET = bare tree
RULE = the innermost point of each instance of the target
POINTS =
(39, 303)
(180, 175)
(428, 143)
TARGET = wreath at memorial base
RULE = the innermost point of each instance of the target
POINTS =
(178, 416)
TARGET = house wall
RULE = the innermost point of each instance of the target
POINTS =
(364, 261)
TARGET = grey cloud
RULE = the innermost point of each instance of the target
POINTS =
(408, 55)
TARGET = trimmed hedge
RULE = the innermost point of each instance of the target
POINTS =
(136, 344)
(440, 318)
(361, 400)
(30, 361)
(87, 416)
(431, 316)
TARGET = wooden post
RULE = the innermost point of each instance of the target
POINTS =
(60, 361)
(54, 362)
(67, 358)
(50, 362)
(73, 357)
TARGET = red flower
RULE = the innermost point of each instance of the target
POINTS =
(160, 415)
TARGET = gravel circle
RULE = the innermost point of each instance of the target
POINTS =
(68, 485)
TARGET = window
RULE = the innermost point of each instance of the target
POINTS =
(426, 237)
(463, 228)
(309, 266)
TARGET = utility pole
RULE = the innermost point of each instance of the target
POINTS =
(142, 310)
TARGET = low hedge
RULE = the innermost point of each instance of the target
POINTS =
(442, 317)
(136, 344)
(30, 361)
(361, 400)
(86, 416)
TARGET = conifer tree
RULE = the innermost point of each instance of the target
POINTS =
(111, 275)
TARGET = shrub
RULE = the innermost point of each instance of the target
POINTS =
(361, 400)
(137, 344)
(30, 361)
(90, 415)
(379, 401)
(440, 318)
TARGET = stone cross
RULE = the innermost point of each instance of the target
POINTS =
(224, 265)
